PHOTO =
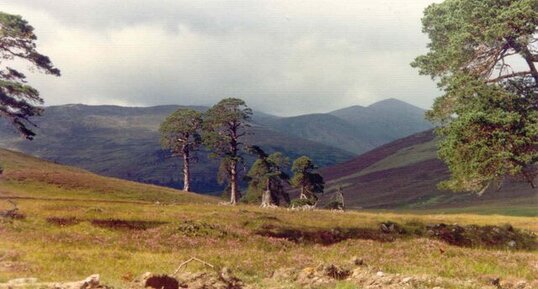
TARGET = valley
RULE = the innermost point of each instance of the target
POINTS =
(124, 141)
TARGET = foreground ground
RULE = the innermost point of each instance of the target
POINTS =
(75, 224)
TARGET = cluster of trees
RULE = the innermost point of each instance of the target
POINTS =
(222, 130)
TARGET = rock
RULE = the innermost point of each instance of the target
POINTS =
(20, 281)
(285, 274)
(380, 274)
(391, 228)
(356, 261)
(223, 279)
(407, 280)
(512, 244)
(91, 282)
(496, 282)
(230, 280)
(521, 285)
(335, 272)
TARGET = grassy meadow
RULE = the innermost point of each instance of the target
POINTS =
(76, 224)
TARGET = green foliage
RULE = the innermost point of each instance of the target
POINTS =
(337, 201)
(225, 126)
(495, 135)
(18, 101)
(180, 134)
(488, 115)
(180, 131)
(305, 178)
(266, 176)
(302, 202)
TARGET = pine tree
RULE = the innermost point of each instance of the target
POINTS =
(483, 55)
(267, 178)
(225, 126)
(309, 183)
(19, 101)
(180, 133)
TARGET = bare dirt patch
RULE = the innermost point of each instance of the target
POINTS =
(489, 237)
(63, 221)
(118, 224)
(324, 237)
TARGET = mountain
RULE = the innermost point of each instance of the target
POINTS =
(356, 129)
(404, 175)
(327, 129)
(124, 142)
(385, 120)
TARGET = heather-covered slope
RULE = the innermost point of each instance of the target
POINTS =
(404, 175)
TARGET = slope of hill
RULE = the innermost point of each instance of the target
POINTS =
(25, 176)
(404, 175)
(356, 129)
(124, 142)
(72, 223)
(327, 129)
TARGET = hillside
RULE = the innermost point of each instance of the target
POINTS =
(71, 224)
(124, 142)
(27, 177)
(356, 129)
(327, 129)
(404, 175)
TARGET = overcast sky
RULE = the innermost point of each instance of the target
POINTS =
(284, 57)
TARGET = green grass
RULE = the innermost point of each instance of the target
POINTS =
(227, 236)
(420, 152)
(162, 235)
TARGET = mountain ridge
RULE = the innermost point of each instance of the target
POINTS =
(124, 141)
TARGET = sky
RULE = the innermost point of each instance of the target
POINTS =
(282, 57)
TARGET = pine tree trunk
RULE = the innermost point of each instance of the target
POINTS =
(266, 197)
(303, 194)
(234, 190)
(186, 171)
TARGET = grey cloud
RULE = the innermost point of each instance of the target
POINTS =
(284, 57)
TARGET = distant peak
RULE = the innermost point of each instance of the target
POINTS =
(393, 103)
(72, 105)
(389, 101)
(348, 109)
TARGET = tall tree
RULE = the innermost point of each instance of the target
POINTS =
(306, 179)
(225, 125)
(483, 55)
(180, 133)
(267, 178)
(19, 101)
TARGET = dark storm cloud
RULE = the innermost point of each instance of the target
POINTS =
(284, 57)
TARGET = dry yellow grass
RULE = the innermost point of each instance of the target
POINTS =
(77, 224)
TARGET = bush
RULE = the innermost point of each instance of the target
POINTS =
(302, 202)
(334, 205)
